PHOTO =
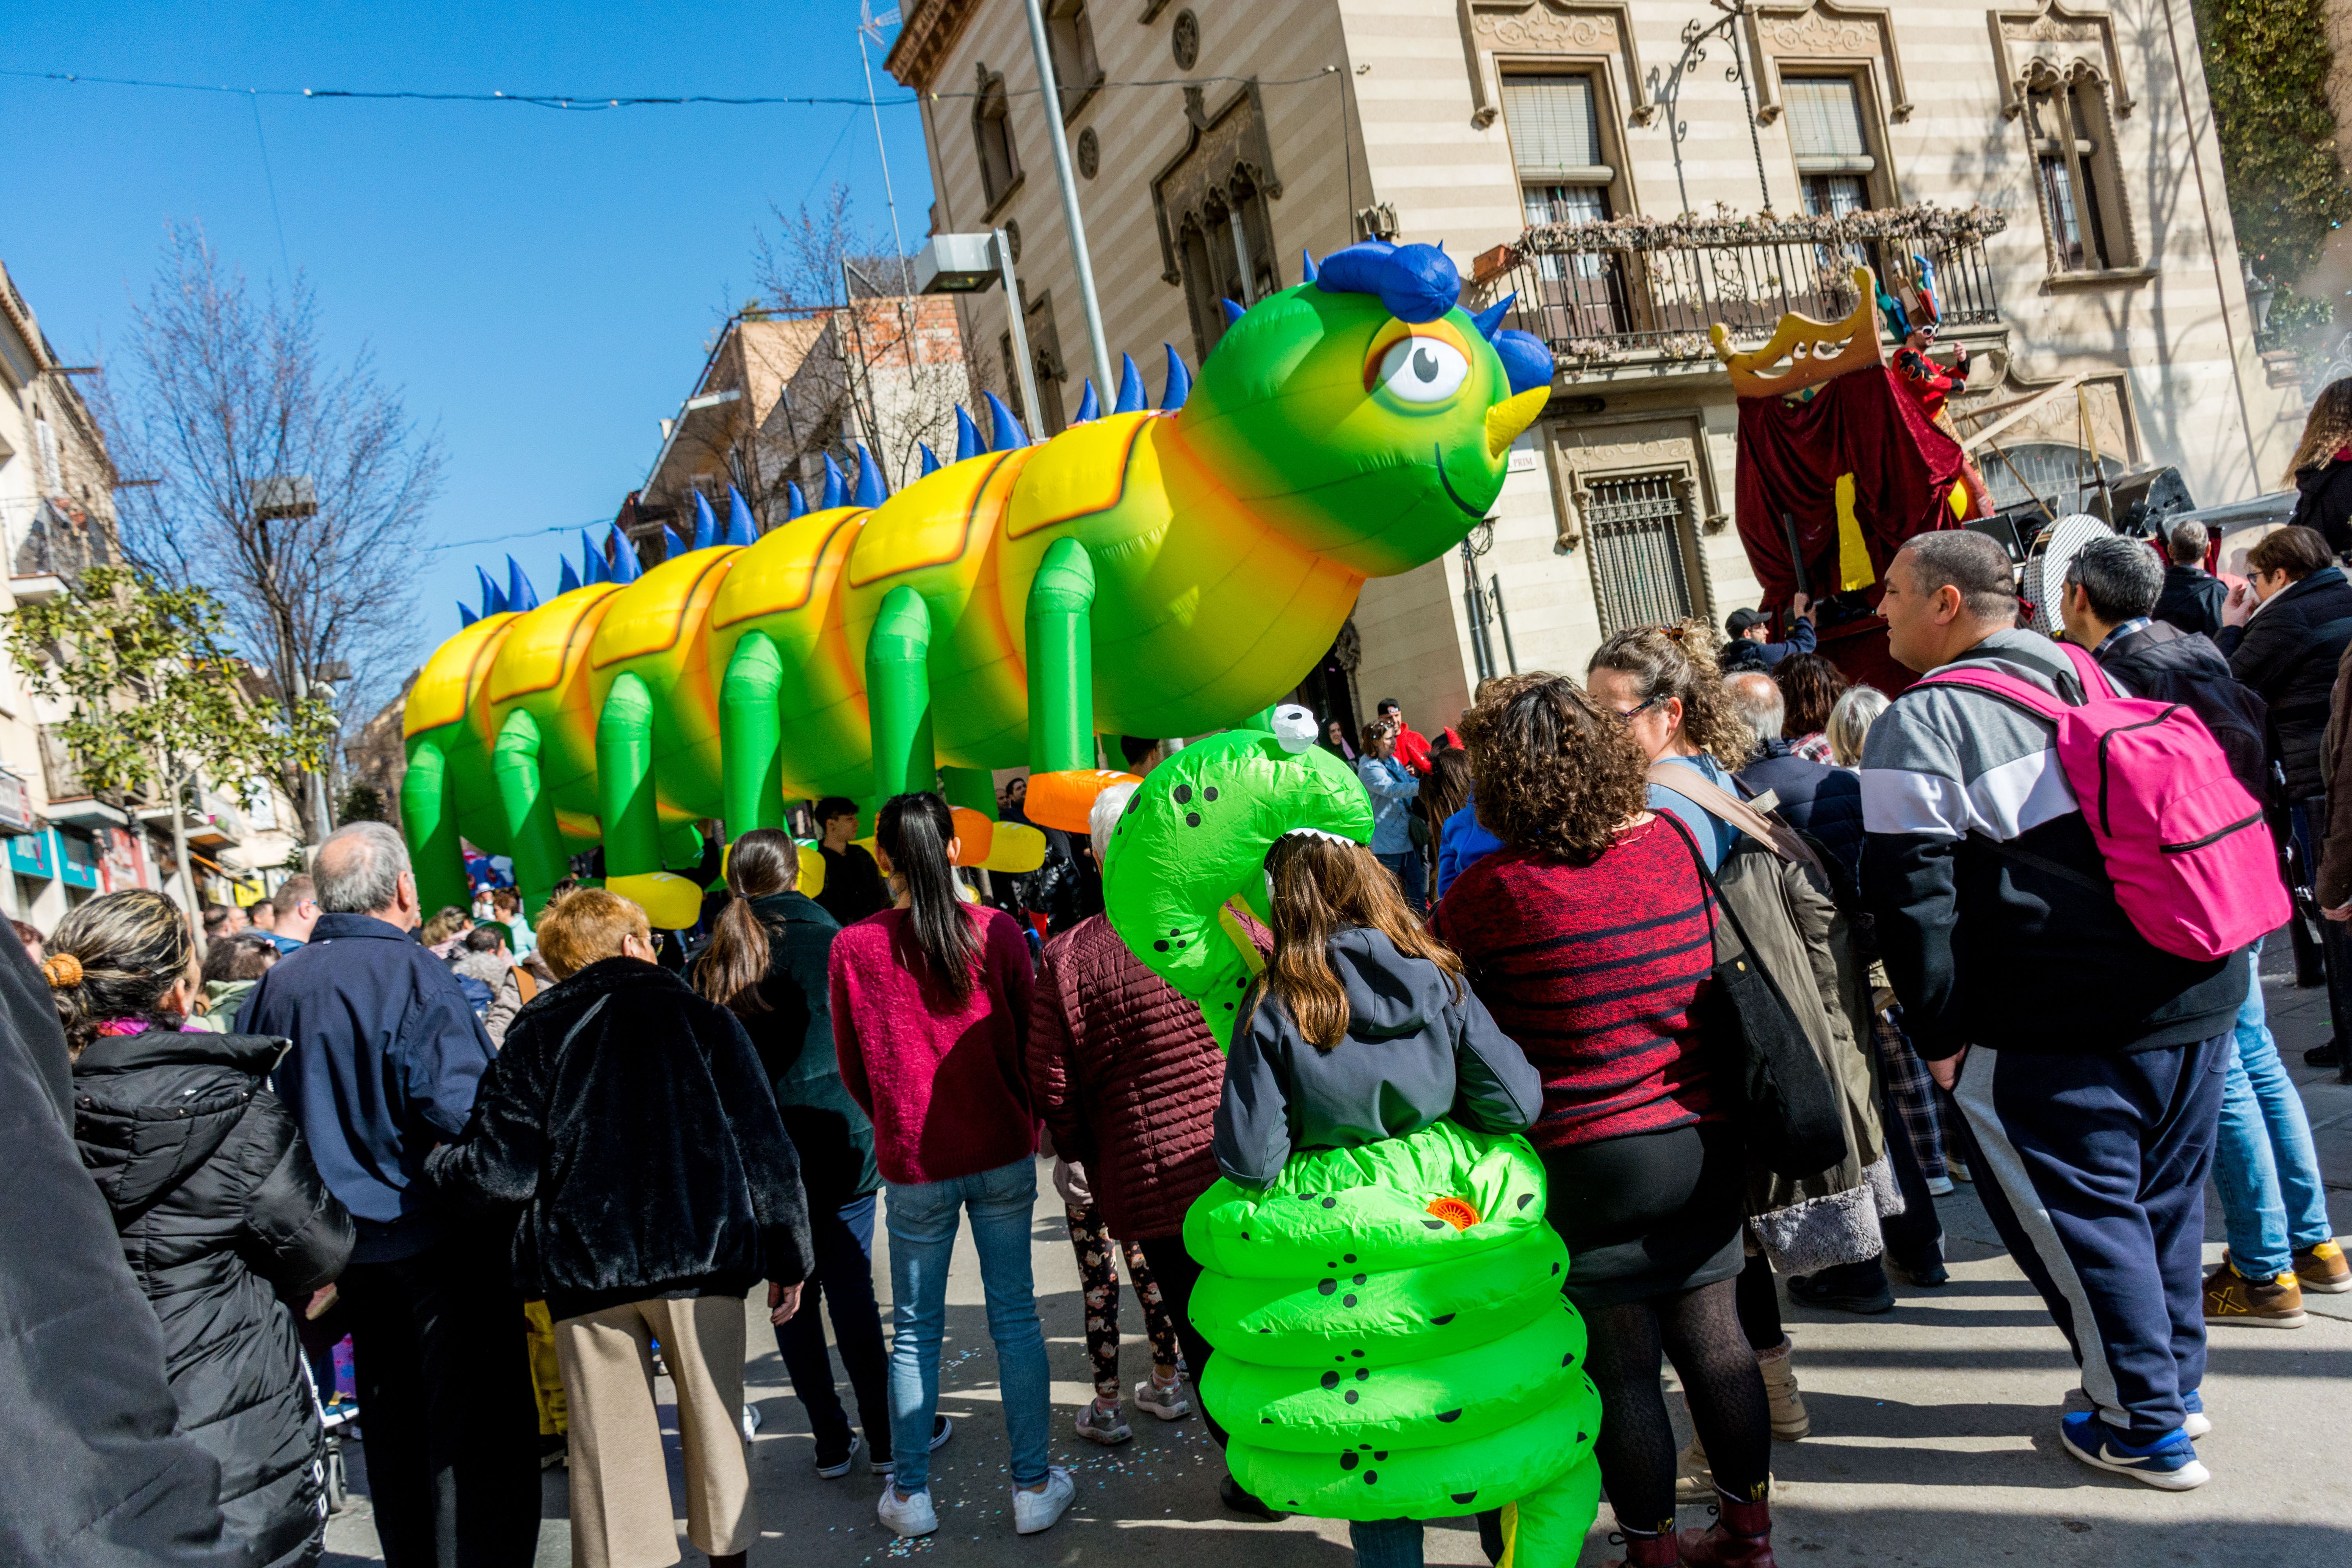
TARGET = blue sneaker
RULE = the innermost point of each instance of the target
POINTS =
(2168, 1464)
(2196, 1426)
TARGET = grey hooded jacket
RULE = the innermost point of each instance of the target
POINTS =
(1415, 1052)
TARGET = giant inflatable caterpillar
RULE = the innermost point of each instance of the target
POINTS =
(1145, 572)
(1392, 1340)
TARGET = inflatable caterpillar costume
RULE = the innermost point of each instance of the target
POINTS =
(1392, 1339)
(1145, 572)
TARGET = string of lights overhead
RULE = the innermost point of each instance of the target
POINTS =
(598, 102)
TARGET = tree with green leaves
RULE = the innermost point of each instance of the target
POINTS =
(2267, 67)
(155, 696)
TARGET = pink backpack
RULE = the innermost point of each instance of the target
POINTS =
(2183, 841)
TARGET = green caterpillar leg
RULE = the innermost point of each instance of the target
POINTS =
(537, 845)
(1549, 1526)
(898, 694)
(681, 845)
(750, 736)
(624, 780)
(971, 788)
(430, 816)
(1059, 617)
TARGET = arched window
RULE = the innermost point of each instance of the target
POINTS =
(2077, 178)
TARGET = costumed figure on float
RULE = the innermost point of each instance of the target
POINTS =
(1145, 571)
(1841, 458)
(1390, 1338)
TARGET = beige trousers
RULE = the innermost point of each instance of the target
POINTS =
(621, 1515)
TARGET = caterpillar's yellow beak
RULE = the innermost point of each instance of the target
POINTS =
(1507, 418)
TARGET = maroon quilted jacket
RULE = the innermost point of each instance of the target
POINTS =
(1127, 1074)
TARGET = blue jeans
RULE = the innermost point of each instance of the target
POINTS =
(923, 1217)
(1386, 1543)
(2272, 1198)
(844, 1281)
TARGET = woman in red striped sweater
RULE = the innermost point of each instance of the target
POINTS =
(1589, 938)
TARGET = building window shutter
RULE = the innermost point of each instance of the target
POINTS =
(1555, 126)
(1824, 118)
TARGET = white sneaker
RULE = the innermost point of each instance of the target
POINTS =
(1939, 1185)
(2196, 1424)
(1034, 1511)
(750, 1421)
(910, 1516)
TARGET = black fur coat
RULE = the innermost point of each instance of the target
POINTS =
(628, 1119)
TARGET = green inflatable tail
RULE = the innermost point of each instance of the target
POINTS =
(1196, 837)
(1392, 1340)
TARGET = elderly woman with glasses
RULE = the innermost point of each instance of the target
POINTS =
(1662, 684)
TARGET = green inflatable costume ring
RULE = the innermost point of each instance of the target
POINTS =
(1392, 1340)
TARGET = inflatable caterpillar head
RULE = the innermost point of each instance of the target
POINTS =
(1364, 413)
(1195, 837)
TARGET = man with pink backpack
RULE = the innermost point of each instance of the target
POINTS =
(2059, 878)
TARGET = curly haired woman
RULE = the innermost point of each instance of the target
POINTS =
(1587, 937)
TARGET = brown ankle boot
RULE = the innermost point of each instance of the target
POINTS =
(1645, 1549)
(1742, 1536)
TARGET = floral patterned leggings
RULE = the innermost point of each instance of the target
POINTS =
(1098, 1277)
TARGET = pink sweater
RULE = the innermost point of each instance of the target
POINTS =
(943, 1085)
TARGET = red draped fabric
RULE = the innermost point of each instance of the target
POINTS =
(1790, 454)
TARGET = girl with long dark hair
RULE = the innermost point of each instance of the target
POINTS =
(930, 1011)
(767, 965)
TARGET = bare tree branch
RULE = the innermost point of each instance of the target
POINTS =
(218, 390)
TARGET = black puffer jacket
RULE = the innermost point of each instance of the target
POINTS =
(1812, 797)
(226, 1224)
(630, 1120)
(2288, 654)
(2324, 501)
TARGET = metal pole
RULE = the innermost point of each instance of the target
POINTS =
(1503, 617)
(1012, 313)
(1242, 259)
(906, 281)
(1104, 385)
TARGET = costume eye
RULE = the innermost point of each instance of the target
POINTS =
(1423, 370)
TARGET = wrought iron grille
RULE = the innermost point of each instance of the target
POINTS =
(1639, 575)
(1627, 285)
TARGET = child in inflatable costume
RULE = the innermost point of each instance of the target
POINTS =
(1928, 384)
(1392, 1343)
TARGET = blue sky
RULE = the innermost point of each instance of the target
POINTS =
(541, 284)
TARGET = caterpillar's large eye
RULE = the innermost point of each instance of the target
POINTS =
(1423, 370)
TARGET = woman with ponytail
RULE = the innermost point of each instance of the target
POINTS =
(767, 965)
(930, 1009)
(222, 1216)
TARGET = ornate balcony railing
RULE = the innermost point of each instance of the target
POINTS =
(1634, 290)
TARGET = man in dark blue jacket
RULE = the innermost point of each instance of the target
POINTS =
(385, 1060)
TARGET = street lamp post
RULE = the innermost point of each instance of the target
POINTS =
(1104, 387)
(971, 264)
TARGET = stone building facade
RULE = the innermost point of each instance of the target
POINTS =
(2057, 160)
(778, 395)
